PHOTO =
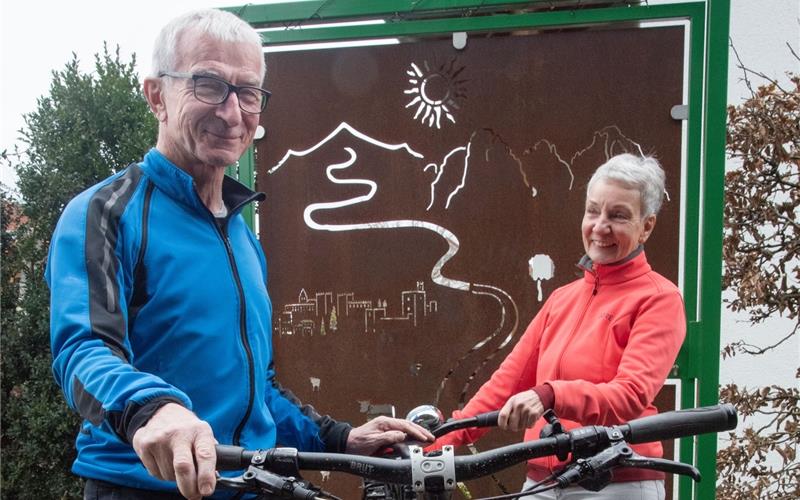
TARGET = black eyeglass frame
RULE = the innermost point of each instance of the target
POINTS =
(230, 88)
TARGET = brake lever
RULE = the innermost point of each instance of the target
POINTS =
(262, 481)
(661, 464)
(593, 473)
(236, 483)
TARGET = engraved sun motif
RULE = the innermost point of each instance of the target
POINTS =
(436, 92)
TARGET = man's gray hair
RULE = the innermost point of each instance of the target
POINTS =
(642, 173)
(221, 25)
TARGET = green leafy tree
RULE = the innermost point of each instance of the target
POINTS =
(334, 322)
(87, 127)
(761, 251)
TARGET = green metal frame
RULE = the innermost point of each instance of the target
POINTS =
(245, 172)
(705, 149)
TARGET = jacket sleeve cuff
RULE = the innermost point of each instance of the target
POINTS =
(136, 416)
(334, 434)
(546, 395)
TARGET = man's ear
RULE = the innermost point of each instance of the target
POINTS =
(153, 89)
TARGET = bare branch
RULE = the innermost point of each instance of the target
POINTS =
(792, 51)
(757, 351)
(741, 66)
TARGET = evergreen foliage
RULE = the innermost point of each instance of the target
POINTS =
(87, 127)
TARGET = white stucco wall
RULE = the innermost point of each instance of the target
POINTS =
(759, 31)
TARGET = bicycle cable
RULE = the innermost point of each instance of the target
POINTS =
(536, 488)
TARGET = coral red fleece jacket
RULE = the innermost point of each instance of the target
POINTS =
(604, 344)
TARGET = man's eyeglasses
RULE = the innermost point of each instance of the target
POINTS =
(213, 90)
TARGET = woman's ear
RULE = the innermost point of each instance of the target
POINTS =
(647, 227)
(153, 89)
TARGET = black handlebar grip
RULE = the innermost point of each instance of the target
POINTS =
(680, 423)
(481, 420)
(487, 419)
(232, 457)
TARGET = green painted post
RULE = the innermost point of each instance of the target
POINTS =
(687, 449)
(716, 100)
(690, 360)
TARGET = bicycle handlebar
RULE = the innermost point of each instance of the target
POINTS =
(233, 457)
(583, 441)
(681, 423)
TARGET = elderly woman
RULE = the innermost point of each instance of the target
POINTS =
(600, 348)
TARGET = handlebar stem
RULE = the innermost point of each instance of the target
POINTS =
(433, 473)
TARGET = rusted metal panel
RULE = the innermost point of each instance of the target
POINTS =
(419, 197)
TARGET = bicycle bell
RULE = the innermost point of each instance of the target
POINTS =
(427, 416)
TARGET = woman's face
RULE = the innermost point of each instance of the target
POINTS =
(612, 222)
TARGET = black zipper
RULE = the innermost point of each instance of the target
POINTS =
(242, 330)
(237, 434)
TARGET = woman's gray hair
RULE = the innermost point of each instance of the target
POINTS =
(642, 173)
(221, 25)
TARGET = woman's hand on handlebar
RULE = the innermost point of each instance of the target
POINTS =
(521, 411)
(177, 446)
(384, 431)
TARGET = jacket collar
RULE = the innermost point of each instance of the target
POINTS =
(179, 185)
(632, 266)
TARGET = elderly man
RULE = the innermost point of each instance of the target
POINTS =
(160, 318)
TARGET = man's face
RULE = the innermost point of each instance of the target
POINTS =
(192, 133)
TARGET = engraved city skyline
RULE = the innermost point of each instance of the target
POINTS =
(326, 312)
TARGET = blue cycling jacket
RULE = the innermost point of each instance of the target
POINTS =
(153, 300)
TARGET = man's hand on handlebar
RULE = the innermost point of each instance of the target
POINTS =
(521, 411)
(170, 445)
(384, 431)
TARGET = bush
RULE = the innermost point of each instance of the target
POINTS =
(761, 251)
(89, 125)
